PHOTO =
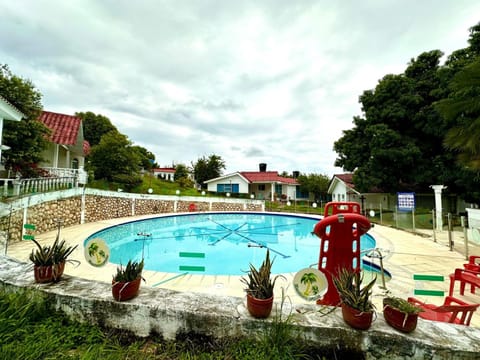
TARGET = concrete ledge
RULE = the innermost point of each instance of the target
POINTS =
(168, 314)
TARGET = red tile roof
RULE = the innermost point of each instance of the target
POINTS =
(266, 176)
(347, 179)
(64, 127)
(165, 170)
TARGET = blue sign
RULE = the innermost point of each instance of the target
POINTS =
(406, 201)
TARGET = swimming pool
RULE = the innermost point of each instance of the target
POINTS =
(217, 243)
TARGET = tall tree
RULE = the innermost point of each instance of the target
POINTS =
(316, 184)
(26, 138)
(95, 126)
(397, 144)
(181, 171)
(208, 168)
(462, 112)
(114, 159)
(147, 158)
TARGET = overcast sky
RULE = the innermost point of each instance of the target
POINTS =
(250, 81)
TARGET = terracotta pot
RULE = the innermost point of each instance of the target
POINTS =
(49, 273)
(399, 320)
(356, 318)
(259, 308)
(123, 291)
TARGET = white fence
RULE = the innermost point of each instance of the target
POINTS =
(17, 187)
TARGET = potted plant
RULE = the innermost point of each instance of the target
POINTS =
(260, 285)
(126, 282)
(49, 260)
(400, 314)
(357, 307)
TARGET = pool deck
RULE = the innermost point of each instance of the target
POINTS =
(404, 254)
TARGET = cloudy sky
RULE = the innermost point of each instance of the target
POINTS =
(252, 81)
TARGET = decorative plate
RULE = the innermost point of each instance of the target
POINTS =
(97, 252)
(310, 283)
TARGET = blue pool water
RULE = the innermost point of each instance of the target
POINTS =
(217, 243)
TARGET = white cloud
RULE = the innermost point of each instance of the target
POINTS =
(272, 81)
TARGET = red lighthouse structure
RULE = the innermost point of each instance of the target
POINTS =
(340, 231)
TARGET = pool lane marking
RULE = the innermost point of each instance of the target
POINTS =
(428, 292)
(198, 255)
(191, 254)
(191, 268)
(170, 279)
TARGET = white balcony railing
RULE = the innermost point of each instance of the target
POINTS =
(60, 178)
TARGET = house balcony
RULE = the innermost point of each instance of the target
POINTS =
(56, 179)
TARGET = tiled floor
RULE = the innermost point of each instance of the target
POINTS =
(405, 254)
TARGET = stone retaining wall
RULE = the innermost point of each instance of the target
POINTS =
(77, 206)
(171, 314)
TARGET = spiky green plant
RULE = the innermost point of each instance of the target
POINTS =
(54, 254)
(351, 292)
(401, 305)
(259, 283)
(131, 272)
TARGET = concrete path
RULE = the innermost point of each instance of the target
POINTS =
(404, 254)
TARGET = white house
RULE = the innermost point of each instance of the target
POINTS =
(261, 184)
(342, 188)
(65, 155)
(7, 112)
(164, 173)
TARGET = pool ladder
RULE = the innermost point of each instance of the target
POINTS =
(375, 253)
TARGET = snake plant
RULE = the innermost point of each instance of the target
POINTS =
(132, 271)
(260, 284)
(48, 255)
(351, 291)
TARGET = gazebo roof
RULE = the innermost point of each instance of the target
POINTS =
(8, 111)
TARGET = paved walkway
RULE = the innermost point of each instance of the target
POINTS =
(404, 254)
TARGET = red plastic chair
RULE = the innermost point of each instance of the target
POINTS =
(473, 264)
(465, 276)
(453, 311)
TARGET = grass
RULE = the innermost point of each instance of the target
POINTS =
(30, 329)
(158, 186)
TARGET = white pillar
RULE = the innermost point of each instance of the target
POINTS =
(438, 204)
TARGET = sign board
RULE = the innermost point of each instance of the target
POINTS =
(406, 201)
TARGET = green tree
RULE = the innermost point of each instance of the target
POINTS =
(462, 112)
(181, 171)
(95, 126)
(147, 158)
(397, 144)
(208, 168)
(26, 138)
(315, 184)
(182, 176)
(114, 159)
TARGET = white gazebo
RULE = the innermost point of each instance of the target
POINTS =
(7, 112)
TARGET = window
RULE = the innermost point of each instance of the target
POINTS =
(75, 163)
(278, 188)
(231, 188)
(261, 187)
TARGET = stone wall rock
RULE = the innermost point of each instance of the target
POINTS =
(67, 210)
